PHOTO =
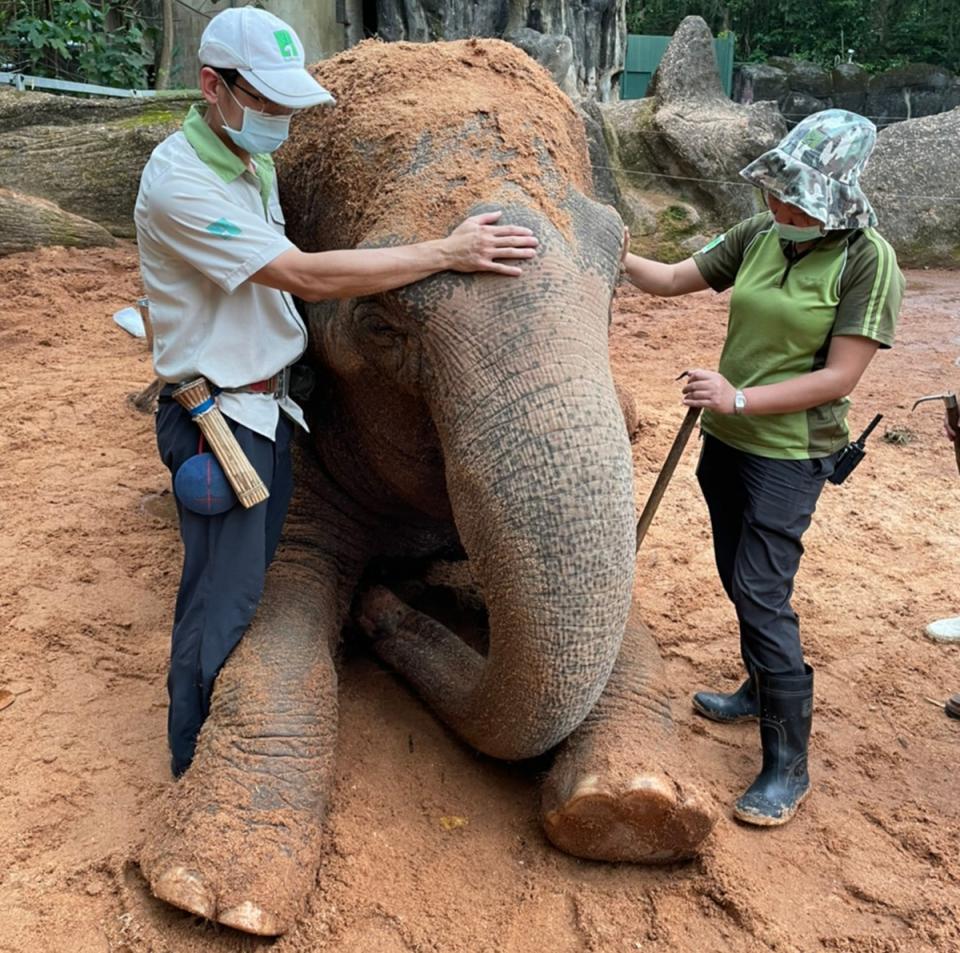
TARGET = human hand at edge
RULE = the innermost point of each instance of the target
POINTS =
(709, 390)
(479, 244)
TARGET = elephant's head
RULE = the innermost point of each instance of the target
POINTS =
(487, 399)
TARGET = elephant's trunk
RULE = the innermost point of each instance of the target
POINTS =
(540, 479)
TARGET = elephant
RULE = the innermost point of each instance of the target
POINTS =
(463, 429)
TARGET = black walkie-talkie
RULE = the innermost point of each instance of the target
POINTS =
(852, 454)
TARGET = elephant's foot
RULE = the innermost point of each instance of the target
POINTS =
(613, 792)
(239, 838)
(646, 818)
(227, 857)
(188, 890)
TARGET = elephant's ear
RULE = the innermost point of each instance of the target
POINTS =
(598, 233)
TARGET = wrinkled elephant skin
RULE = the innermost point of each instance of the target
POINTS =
(465, 420)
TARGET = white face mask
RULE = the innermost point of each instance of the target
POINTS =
(259, 132)
(796, 233)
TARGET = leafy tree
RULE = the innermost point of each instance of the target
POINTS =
(100, 43)
(881, 33)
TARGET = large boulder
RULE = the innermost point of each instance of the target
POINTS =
(850, 83)
(804, 76)
(85, 156)
(688, 142)
(759, 82)
(911, 178)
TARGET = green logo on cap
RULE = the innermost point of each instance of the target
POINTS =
(224, 229)
(288, 49)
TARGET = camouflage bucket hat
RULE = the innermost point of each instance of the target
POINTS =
(817, 167)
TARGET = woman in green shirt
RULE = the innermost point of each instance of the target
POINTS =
(816, 291)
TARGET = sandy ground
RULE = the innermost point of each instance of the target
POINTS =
(89, 559)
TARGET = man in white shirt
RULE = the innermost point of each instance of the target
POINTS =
(219, 273)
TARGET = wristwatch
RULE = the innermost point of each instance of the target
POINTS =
(739, 402)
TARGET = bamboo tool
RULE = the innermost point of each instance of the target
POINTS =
(673, 458)
(195, 397)
(953, 415)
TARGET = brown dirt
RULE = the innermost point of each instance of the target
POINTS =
(430, 847)
(486, 112)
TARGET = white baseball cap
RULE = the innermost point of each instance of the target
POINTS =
(266, 52)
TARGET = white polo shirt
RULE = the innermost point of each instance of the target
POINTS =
(205, 224)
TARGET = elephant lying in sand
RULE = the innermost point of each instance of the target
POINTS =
(462, 417)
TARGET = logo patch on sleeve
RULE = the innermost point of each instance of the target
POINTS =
(224, 229)
(711, 245)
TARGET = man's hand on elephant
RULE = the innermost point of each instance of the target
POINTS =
(709, 390)
(479, 244)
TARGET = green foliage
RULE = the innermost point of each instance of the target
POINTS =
(101, 43)
(881, 33)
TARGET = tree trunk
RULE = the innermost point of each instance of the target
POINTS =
(166, 48)
(84, 156)
(27, 222)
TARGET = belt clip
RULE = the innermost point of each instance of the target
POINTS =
(283, 384)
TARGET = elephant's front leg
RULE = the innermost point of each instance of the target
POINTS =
(616, 791)
(239, 837)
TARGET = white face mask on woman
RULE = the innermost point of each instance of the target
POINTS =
(259, 132)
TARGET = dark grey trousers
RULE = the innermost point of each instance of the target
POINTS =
(225, 560)
(759, 511)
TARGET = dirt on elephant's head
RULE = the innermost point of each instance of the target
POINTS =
(422, 133)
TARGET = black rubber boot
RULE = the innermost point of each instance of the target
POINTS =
(786, 712)
(740, 705)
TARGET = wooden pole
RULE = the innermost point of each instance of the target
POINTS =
(673, 458)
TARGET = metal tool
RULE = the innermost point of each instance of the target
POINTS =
(953, 416)
(673, 457)
(852, 454)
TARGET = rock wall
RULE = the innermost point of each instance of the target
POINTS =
(582, 44)
(800, 88)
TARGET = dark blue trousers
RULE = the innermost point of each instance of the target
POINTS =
(225, 559)
(759, 511)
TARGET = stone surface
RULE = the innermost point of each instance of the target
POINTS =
(759, 82)
(800, 88)
(596, 32)
(912, 182)
(605, 185)
(687, 139)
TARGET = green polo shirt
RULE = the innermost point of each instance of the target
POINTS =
(783, 315)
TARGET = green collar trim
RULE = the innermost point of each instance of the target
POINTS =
(209, 148)
(220, 159)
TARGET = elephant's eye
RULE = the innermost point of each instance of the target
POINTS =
(373, 322)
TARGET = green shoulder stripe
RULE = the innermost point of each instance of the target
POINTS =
(881, 283)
